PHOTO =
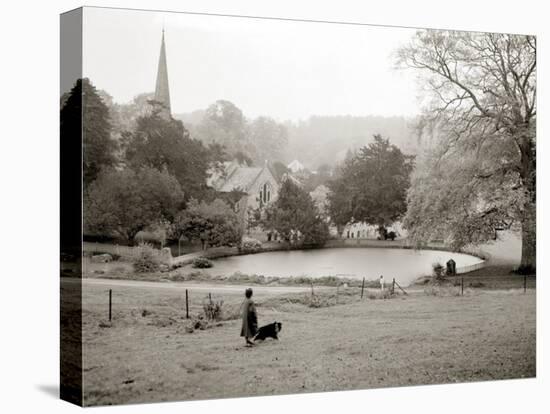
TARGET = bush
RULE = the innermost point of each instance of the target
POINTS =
(386, 294)
(212, 310)
(438, 270)
(315, 301)
(250, 245)
(202, 263)
(435, 290)
(147, 260)
(525, 270)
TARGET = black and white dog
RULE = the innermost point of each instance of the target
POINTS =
(269, 331)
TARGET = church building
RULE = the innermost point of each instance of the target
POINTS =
(256, 187)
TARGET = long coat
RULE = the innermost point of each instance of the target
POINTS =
(250, 319)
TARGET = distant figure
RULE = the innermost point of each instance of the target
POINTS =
(451, 267)
(381, 283)
(250, 319)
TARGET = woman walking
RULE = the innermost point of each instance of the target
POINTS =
(250, 319)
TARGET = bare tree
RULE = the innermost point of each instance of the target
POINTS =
(482, 95)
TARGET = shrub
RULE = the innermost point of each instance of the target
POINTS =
(435, 290)
(386, 294)
(202, 263)
(146, 260)
(212, 310)
(315, 301)
(250, 245)
(438, 270)
(525, 270)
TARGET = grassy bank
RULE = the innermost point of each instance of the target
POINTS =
(490, 277)
(146, 353)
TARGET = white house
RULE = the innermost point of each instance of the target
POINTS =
(295, 166)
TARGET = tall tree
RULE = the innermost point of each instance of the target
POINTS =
(269, 139)
(124, 202)
(214, 224)
(124, 116)
(295, 217)
(371, 186)
(83, 107)
(483, 90)
(224, 123)
(279, 170)
(166, 144)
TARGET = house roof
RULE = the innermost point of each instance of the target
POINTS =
(295, 166)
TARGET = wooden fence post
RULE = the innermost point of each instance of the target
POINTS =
(362, 287)
(186, 304)
(393, 286)
(462, 286)
(110, 303)
(524, 283)
(399, 286)
(312, 294)
(337, 287)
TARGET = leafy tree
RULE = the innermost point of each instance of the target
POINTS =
(84, 112)
(243, 158)
(294, 216)
(315, 231)
(124, 116)
(214, 224)
(449, 201)
(225, 124)
(320, 197)
(371, 186)
(124, 202)
(280, 170)
(483, 106)
(269, 139)
(320, 178)
(165, 144)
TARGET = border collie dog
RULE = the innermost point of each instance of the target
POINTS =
(269, 331)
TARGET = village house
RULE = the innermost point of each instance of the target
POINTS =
(368, 231)
(295, 166)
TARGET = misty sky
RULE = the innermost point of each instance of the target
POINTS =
(286, 70)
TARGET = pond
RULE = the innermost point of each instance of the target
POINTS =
(404, 265)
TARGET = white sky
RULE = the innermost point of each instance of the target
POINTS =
(282, 69)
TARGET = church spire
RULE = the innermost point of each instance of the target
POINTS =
(162, 91)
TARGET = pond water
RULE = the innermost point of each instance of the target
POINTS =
(402, 264)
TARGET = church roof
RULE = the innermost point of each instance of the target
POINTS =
(236, 177)
(242, 179)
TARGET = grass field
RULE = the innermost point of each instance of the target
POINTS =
(146, 353)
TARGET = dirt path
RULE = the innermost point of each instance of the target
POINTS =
(203, 287)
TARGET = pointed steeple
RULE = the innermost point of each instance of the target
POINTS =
(162, 90)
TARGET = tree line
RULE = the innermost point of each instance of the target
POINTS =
(141, 175)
